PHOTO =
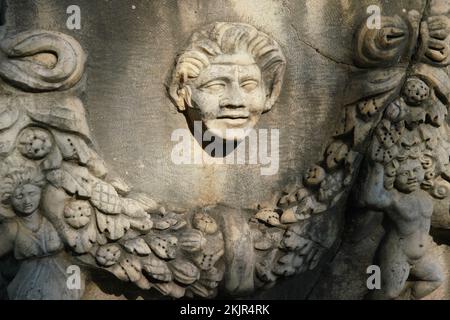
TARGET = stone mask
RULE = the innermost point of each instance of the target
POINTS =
(229, 96)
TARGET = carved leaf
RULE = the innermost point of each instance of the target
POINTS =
(157, 269)
(62, 112)
(335, 155)
(52, 161)
(204, 222)
(288, 216)
(133, 208)
(437, 112)
(264, 273)
(192, 240)
(283, 269)
(164, 246)
(74, 179)
(132, 267)
(268, 216)
(114, 227)
(209, 256)
(171, 289)
(8, 113)
(120, 185)
(82, 240)
(108, 255)
(200, 290)
(211, 277)
(142, 225)
(105, 198)
(72, 147)
(184, 271)
(149, 204)
(292, 241)
(138, 246)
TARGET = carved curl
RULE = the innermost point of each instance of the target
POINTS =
(389, 44)
(41, 61)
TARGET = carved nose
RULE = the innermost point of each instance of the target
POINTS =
(234, 99)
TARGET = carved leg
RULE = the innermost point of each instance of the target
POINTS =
(429, 274)
(394, 272)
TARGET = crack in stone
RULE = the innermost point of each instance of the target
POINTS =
(334, 60)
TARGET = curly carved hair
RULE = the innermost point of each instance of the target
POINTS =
(227, 38)
(392, 167)
(18, 178)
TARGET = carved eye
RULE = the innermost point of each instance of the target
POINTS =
(19, 196)
(214, 86)
(249, 85)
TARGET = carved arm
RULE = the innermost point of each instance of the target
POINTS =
(373, 193)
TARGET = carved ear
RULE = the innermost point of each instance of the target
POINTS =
(180, 95)
(274, 93)
(186, 95)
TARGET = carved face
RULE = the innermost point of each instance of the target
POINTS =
(409, 176)
(229, 94)
(25, 199)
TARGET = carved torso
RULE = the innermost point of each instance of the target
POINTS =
(43, 242)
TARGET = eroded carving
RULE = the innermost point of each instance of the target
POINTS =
(406, 164)
(227, 77)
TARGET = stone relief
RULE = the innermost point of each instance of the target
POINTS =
(227, 77)
(406, 168)
(59, 204)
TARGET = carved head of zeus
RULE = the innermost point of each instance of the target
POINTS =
(227, 77)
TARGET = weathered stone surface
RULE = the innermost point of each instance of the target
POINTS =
(89, 133)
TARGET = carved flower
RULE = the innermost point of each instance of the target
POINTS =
(35, 143)
(108, 255)
(78, 213)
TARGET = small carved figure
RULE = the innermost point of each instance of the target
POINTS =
(34, 242)
(406, 249)
(227, 77)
